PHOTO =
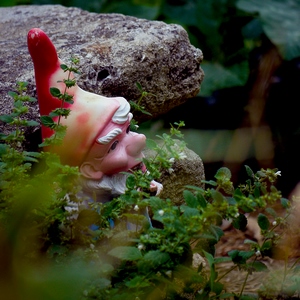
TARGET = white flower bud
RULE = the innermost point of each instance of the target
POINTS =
(274, 223)
(182, 155)
(257, 253)
(170, 170)
(169, 273)
(141, 247)
(161, 212)
(278, 173)
(136, 208)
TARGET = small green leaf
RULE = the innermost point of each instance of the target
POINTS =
(157, 258)
(47, 121)
(209, 258)
(219, 260)
(32, 99)
(223, 173)
(210, 182)
(139, 86)
(12, 94)
(137, 282)
(285, 203)
(247, 241)
(190, 199)
(240, 257)
(126, 253)
(263, 222)
(217, 196)
(249, 171)
(32, 123)
(6, 118)
(64, 67)
(55, 92)
(259, 266)
(151, 144)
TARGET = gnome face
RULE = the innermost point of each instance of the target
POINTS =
(97, 138)
(116, 150)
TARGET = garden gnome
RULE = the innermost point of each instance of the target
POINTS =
(98, 139)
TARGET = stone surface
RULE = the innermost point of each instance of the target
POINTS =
(187, 171)
(115, 51)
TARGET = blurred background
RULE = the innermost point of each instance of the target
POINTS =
(247, 109)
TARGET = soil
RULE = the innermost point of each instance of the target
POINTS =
(256, 282)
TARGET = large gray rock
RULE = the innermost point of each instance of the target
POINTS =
(186, 171)
(115, 52)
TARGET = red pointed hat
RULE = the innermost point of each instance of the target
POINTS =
(90, 113)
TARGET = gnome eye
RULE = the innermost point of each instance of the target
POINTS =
(128, 129)
(113, 146)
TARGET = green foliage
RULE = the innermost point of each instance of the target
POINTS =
(53, 120)
(46, 224)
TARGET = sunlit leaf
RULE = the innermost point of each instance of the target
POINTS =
(126, 253)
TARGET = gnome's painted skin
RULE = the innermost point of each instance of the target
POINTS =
(98, 139)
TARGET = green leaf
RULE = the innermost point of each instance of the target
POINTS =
(32, 123)
(210, 259)
(219, 260)
(151, 144)
(259, 266)
(190, 199)
(201, 200)
(210, 182)
(217, 196)
(55, 92)
(263, 221)
(285, 203)
(126, 253)
(137, 282)
(246, 241)
(240, 257)
(223, 173)
(3, 149)
(32, 99)
(219, 77)
(280, 22)
(217, 287)
(216, 231)
(249, 171)
(12, 94)
(47, 121)
(189, 211)
(6, 118)
(64, 67)
(157, 258)
(240, 222)
(139, 86)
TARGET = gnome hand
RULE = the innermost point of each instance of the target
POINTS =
(156, 187)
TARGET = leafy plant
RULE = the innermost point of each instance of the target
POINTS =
(44, 218)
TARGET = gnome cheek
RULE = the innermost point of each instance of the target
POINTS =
(83, 118)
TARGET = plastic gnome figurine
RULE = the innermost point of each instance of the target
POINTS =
(98, 139)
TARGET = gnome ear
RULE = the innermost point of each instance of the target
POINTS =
(88, 171)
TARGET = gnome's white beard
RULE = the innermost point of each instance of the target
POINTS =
(105, 189)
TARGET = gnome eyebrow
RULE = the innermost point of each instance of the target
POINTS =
(110, 136)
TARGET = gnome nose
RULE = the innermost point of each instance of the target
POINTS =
(136, 144)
